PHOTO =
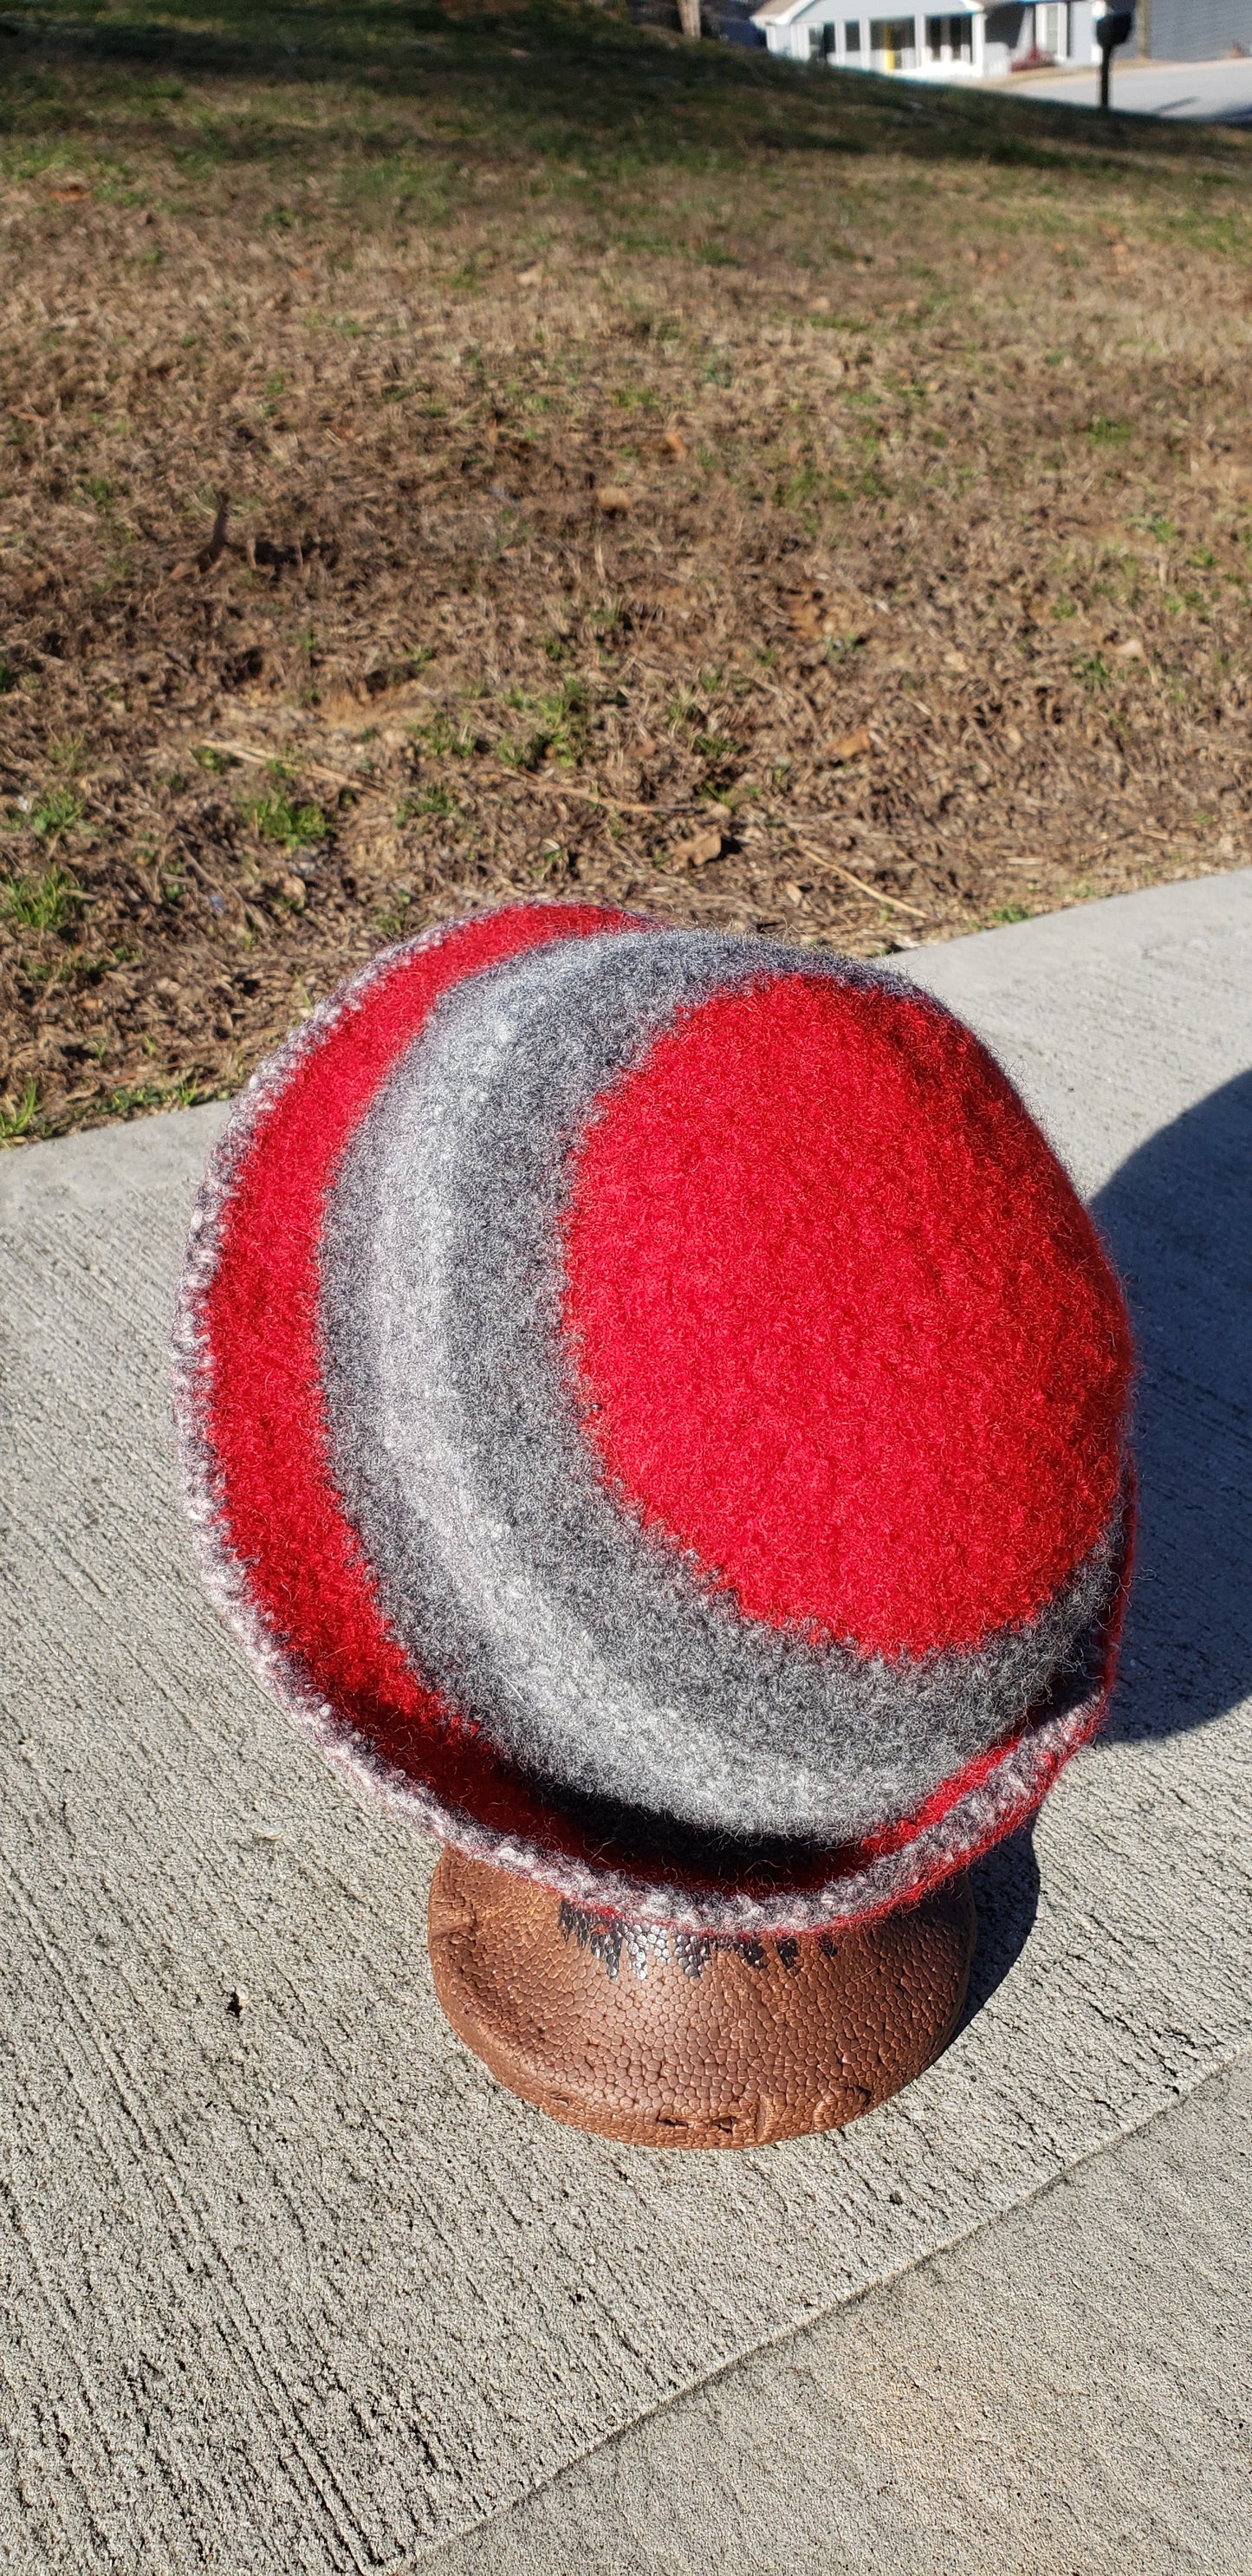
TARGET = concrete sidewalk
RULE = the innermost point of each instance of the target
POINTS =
(293, 2286)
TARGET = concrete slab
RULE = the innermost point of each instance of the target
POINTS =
(291, 2284)
(1068, 2390)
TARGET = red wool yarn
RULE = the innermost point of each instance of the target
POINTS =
(869, 1367)
(655, 1409)
(265, 1416)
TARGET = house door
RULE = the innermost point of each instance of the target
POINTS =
(1052, 29)
(892, 43)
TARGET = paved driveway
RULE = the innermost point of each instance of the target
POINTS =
(1219, 92)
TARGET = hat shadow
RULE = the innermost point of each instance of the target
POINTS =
(1177, 1218)
(1004, 1885)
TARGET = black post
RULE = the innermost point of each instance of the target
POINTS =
(1112, 30)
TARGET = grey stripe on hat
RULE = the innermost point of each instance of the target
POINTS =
(590, 1652)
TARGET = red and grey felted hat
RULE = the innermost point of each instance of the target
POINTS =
(655, 1409)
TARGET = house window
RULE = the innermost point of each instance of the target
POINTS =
(891, 41)
(821, 44)
(950, 40)
(1052, 29)
(852, 36)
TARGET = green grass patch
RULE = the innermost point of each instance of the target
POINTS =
(58, 809)
(437, 799)
(444, 738)
(132, 1097)
(1108, 433)
(560, 731)
(22, 1121)
(291, 827)
(48, 902)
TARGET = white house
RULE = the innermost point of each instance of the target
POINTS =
(962, 42)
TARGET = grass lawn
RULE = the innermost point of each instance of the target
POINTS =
(448, 454)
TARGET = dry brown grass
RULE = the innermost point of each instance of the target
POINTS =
(789, 508)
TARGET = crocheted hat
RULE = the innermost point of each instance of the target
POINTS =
(655, 1409)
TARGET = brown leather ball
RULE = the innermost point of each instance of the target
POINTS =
(667, 2039)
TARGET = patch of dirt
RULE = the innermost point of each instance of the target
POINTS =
(862, 559)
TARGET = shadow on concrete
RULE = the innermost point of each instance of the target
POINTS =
(1178, 1219)
(1005, 1888)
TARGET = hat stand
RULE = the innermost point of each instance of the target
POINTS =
(664, 2038)
(652, 1404)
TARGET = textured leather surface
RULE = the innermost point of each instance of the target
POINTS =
(663, 2039)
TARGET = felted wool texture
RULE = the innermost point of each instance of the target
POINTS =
(274, 1544)
(274, 1540)
(584, 1645)
(846, 1332)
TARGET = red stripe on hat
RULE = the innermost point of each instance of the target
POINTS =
(265, 1417)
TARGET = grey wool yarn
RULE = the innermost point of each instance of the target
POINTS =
(510, 1570)
(417, 1533)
